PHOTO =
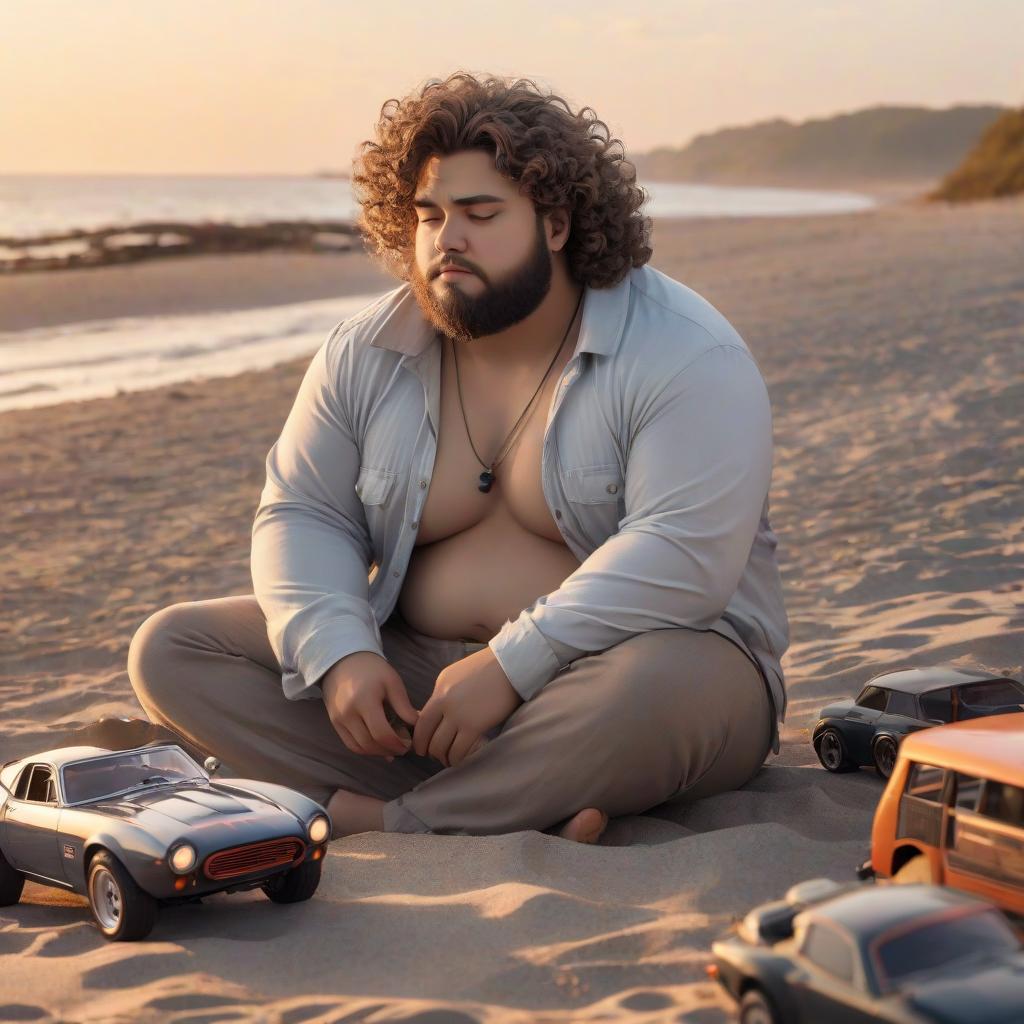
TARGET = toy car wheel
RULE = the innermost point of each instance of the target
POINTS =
(11, 883)
(917, 869)
(296, 885)
(832, 752)
(123, 912)
(884, 754)
(757, 1008)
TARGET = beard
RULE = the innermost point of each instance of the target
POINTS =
(463, 317)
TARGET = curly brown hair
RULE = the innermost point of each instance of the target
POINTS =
(559, 158)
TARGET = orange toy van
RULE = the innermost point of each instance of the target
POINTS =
(952, 812)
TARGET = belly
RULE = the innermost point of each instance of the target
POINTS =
(467, 585)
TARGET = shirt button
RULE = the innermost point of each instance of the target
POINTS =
(558, 513)
(423, 483)
(612, 488)
(395, 573)
(415, 523)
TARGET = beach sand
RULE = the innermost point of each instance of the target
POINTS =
(891, 342)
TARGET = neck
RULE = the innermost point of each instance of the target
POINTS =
(534, 339)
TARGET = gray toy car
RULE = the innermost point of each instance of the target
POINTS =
(868, 730)
(133, 829)
(905, 954)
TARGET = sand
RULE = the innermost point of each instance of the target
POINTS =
(892, 343)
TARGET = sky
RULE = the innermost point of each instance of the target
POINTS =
(294, 87)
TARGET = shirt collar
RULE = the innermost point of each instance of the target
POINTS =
(397, 323)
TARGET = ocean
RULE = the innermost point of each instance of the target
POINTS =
(43, 366)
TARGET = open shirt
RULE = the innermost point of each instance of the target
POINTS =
(656, 465)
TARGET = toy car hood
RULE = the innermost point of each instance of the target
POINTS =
(161, 808)
(837, 708)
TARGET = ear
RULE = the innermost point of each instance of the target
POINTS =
(558, 224)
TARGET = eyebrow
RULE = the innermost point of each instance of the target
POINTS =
(464, 201)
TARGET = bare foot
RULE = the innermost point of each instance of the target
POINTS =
(353, 812)
(586, 826)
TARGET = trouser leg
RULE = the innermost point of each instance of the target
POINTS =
(205, 669)
(670, 714)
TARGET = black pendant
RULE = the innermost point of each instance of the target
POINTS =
(486, 479)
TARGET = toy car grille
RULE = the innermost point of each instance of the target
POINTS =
(241, 860)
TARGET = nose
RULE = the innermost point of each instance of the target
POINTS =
(450, 237)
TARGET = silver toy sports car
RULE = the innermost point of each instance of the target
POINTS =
(133, 829)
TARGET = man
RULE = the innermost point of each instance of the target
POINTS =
(555, 462)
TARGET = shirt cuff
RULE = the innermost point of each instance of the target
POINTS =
(324, 648)
(525, 656)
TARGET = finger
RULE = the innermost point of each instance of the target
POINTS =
(441, 741)
(382, 732)
(357, 726)
(430, 715)
(398, 699)
(346, 738)
(462, 746)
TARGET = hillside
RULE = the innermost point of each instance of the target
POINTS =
(994, 167)
(884, 143)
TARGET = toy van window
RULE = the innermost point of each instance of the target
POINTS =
(873, 698)
(925, 782)
(901, 704)
(938, 944)
(827, 949)
(100, 777)
(992, 693)
(968, 789)
(1004, 803)
(937, 705)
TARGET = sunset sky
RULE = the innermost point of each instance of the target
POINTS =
(248, 86)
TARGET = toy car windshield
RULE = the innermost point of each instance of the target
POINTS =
(111, 774)
(939, 944)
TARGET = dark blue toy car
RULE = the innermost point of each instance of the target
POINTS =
(905, 954)
(867, 731)
(132, 830)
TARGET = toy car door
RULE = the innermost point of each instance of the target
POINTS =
(31, 821)
(984, 852)
(829, 988)
(937, 706)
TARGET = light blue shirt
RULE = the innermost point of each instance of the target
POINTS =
(656, 466)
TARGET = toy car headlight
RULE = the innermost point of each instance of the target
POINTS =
(319, 829)
(182, 858)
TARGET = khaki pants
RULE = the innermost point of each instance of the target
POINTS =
(668, 714)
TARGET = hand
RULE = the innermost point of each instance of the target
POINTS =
(470, 696)
(355, 690)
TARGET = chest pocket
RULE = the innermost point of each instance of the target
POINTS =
(373, 485)
(595, 485)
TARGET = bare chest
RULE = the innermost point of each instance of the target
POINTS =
(454, 503)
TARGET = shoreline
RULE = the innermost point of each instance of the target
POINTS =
(133, 240)
(220, 282)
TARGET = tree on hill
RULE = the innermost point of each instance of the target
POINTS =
(875, 144)
(994, 167)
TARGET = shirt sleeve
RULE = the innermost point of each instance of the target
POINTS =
(697, 471)
(311, 551)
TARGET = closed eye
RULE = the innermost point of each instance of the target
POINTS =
(472, 216)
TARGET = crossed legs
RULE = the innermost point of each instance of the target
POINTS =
(668, 714)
